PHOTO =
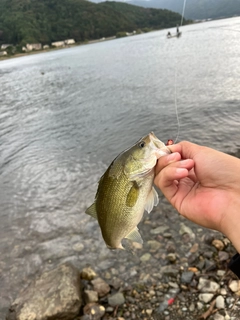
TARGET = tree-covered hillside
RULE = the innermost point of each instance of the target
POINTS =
(31, 21)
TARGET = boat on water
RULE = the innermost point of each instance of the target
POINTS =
(177, 35)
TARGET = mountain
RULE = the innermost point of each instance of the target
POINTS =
(31, 21)
(195, 9)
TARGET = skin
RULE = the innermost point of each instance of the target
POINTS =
(204, 186)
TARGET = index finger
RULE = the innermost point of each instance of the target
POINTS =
(175, 148)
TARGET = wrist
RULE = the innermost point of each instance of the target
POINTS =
(231, 223)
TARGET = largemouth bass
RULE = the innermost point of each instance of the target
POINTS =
(125, 190)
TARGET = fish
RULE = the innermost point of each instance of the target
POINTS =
(126, 190)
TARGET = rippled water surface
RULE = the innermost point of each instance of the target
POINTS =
(64, 115)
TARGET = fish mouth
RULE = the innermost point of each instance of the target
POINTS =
(160, 148)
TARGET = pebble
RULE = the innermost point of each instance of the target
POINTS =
(230, 300)
(221, 273)
(223, 292)
(116, 299)
(95, 310)
(78, 247)
(145, 257)
(90, 296)
(186, 230)
(201, 264)
(199, 305)
(192, 307)
(206, 297)
(208, 254)
(88, 274)
(169, 271)
(137, 245)
(218, 316)
(220, 303)
(173, 285)
(205, 285)
(223, 256)
(194, 248)
(210, 265)
(171, 257)
(159, 230)
(100, 286)
(149, 312)
(193, 269)
(154, 245)
(218, 244)
(167, 235)
(116, 283)
(234, 285)
(186, 277)
(152, 292)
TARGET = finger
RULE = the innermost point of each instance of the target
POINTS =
(175, 148)
(166, 178)
(166, 160)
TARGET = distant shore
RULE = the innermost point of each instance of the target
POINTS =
(17, 55)
(22, 54)
(90, 42)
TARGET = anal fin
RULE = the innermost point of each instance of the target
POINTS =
(91, 211)
(135, 236)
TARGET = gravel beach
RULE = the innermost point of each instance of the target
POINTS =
(179, 273)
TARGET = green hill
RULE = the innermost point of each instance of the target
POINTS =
(31, 21)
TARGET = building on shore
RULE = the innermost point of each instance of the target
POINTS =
(69, 41)
(63, 43)
(3, 53)
(58, 44)
(4, 46)
(33, 46)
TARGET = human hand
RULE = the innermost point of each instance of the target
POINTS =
(204, 186)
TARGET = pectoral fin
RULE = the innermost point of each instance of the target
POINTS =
(135, 236)
(132, 195)
(152, 200)
(91, 211)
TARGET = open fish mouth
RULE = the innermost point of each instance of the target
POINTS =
(160, 148)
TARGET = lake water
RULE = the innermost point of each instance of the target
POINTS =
(64, 115)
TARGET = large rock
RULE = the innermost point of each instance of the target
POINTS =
(56, 294)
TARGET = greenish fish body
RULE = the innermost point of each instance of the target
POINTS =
(125, 190)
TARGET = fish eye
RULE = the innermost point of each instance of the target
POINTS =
(141, 144)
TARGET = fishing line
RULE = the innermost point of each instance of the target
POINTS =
(183, 11)
(175, 81)
(176, 105)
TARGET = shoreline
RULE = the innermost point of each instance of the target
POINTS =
(3, 58)
(97, 40)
